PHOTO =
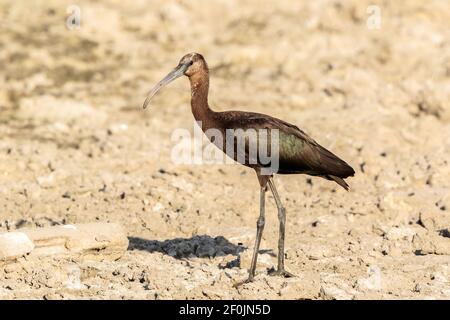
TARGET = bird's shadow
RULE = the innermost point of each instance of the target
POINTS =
(203, 246)
(199, 246)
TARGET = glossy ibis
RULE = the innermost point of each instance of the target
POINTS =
(297, 152)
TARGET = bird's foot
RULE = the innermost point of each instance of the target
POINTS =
(240, 283)
(281, 273)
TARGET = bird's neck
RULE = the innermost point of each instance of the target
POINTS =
(199, 96)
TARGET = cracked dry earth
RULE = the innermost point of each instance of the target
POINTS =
(75, 147)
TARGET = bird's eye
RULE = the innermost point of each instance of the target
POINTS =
(190, 63)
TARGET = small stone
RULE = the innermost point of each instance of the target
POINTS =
(308, 287)
(431, 243)
(434, 219)
(9, 268)
(329, 292)
(46, 181)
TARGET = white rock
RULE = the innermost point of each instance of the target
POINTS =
(14, 244)
(373, 279)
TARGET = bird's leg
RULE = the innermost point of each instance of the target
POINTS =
(282, 219)
(259, 230)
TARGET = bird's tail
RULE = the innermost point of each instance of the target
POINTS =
(340, 182)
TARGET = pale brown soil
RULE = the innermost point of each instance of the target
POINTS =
(76, 147)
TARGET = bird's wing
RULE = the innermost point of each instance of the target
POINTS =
(298, 152)
(250, 120)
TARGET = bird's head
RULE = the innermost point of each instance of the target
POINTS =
(189, 65)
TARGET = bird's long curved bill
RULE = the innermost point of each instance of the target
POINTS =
(175, 73)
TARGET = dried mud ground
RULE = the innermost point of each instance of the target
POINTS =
(76, 147)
